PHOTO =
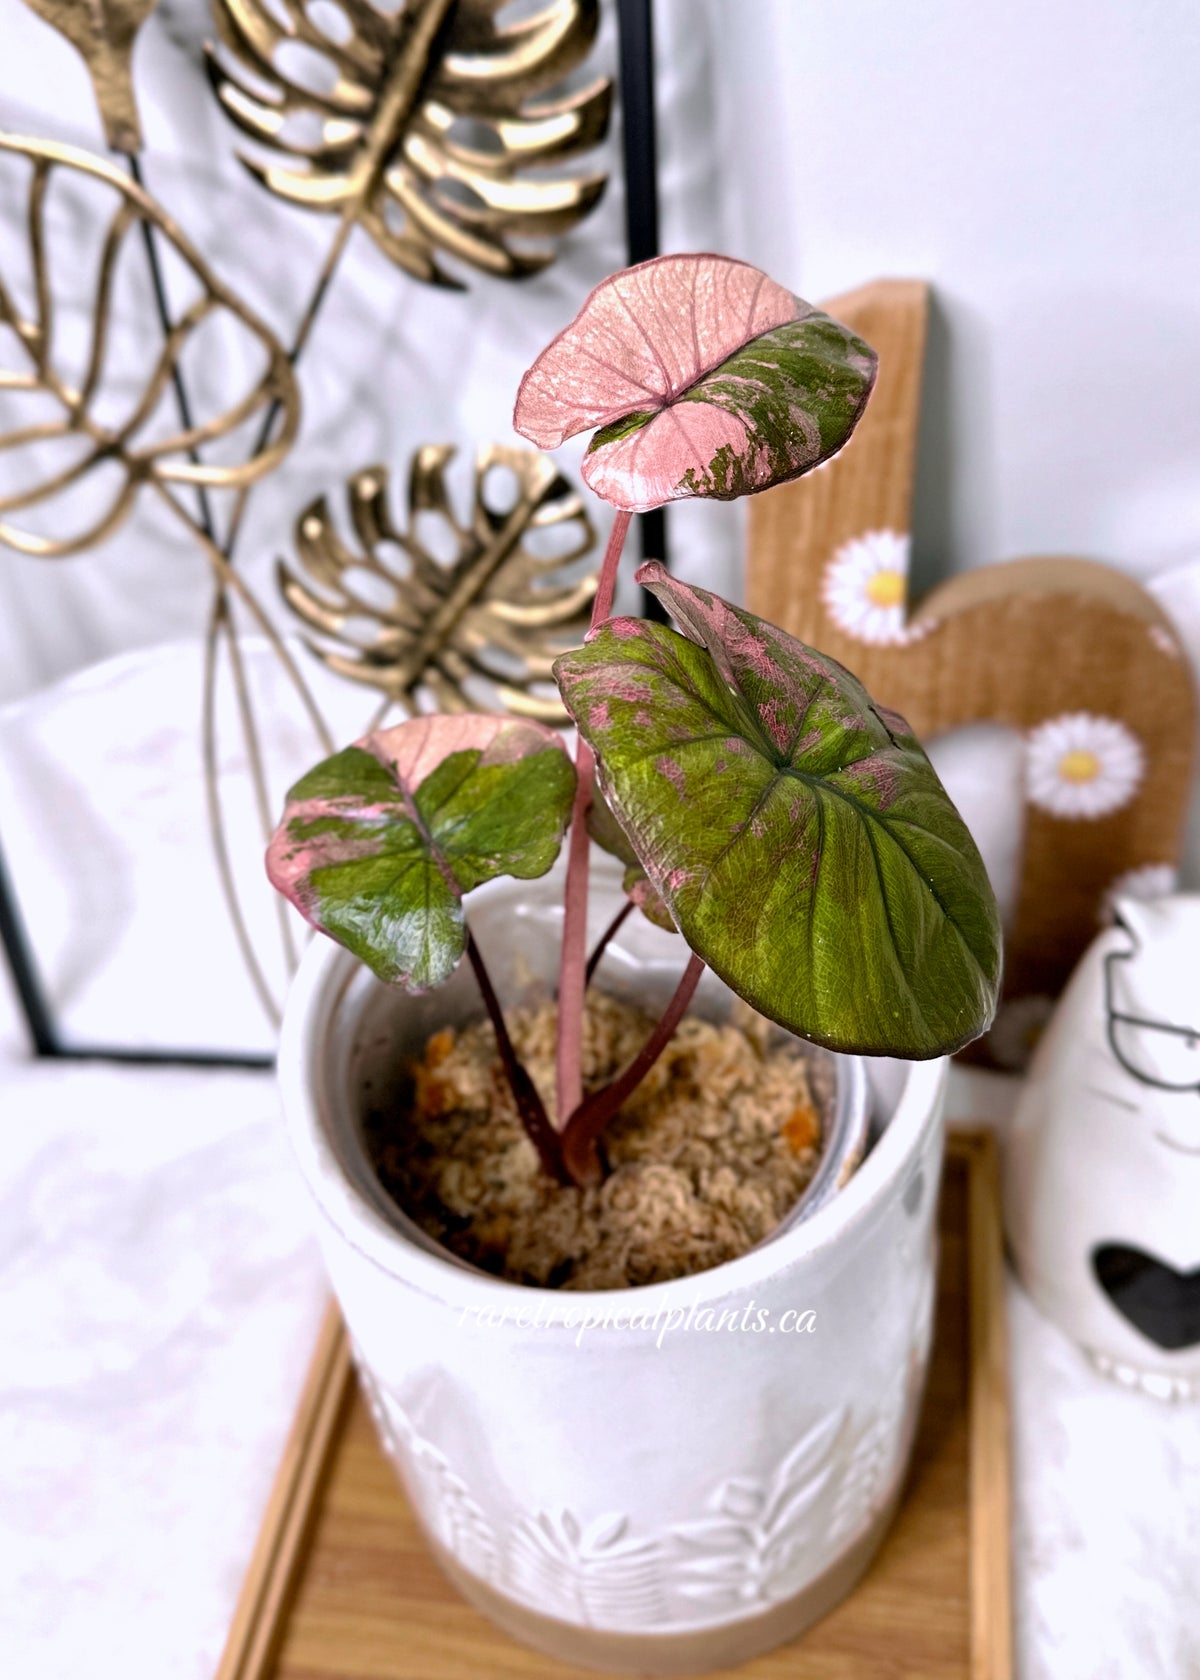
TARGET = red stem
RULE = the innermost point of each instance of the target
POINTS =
(614, 927)
(589, 1119)
(607, 583)
(530, 1107)
(571, 982)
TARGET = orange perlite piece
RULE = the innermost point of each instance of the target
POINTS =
(430, 1093)
(439, 1047)
(801, 1129)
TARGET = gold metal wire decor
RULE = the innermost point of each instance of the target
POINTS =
(443, 134)
(482, 628)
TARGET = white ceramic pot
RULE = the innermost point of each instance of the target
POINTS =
(659, 1496)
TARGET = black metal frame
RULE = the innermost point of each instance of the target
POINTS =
(639, 141)
(44, 1037)
(640, 158)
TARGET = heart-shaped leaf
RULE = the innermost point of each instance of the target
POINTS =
(796, 830)
(704, 377)
(379, 843)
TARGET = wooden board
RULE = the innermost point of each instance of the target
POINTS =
(342, 1586)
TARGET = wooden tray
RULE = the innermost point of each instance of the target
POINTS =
(342, 1587)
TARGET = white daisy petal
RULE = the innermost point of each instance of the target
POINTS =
(1148, 880)
(865, 587)
(1079, 765)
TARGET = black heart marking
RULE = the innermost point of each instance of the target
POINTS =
(1156, 1299)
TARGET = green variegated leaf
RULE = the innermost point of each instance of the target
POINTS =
(796, 830)
(379, 843)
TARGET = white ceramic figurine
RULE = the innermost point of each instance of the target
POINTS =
(1102, 1179)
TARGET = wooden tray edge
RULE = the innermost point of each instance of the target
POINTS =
(260, 1618)
(990, 1434)
(270, 1585)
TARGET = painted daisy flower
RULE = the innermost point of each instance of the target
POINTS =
(1148, 880)
(1080, 765)
(865, 587)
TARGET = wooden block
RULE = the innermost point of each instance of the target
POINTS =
(1023, 644)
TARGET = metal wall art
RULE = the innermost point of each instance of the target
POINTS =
(432, 122)
(103, 33)
(147, 455)
(429, 122)
(479, 631)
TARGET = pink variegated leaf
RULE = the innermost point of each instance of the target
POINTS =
(795, 830)
(704, 377)
(380, 842)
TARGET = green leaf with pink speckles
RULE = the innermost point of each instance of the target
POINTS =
(380, 842)
(795, 829)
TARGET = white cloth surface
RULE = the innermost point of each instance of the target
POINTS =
(159, 1298)
(159, 1295)
(105, 828)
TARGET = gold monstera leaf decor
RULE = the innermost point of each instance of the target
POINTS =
(434, 126)
(482, 626)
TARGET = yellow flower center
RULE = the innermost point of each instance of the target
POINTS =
(1079, 765)
(885, 588)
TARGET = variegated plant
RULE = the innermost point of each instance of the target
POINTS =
(790, 828)
(432, 125)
